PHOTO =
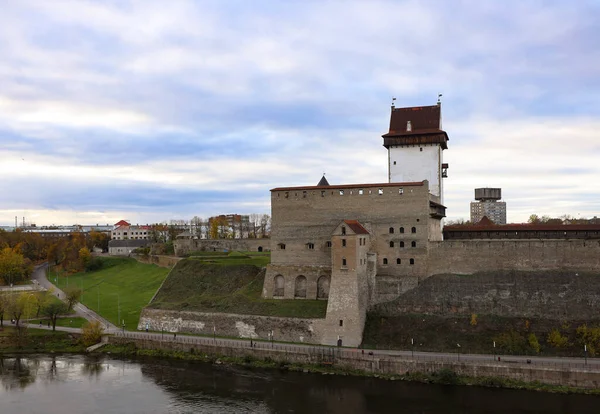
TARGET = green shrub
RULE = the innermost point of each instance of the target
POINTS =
(511, 342)
(534, 344)
(557, 340)
(446, 376)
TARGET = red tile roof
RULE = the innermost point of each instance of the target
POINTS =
(356, 227)
(523, 227)
(122, 223)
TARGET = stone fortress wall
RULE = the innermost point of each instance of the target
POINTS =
(396, 215)
(187, 246)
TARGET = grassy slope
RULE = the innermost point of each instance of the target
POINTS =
(231, 285)
(123, 283)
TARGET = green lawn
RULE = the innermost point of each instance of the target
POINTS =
(75, 322)
(121, 288)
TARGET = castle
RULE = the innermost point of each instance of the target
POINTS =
(358, 245)
(381, 245)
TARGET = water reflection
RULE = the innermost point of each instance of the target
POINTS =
(106, 385)
(18, 372)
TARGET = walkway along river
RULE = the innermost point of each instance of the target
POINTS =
(556, 371)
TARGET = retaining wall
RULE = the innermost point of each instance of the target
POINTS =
(574, 377)
(233, 325)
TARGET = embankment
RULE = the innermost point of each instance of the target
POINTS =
(356, 362)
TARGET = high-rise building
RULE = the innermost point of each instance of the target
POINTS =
(487, 205)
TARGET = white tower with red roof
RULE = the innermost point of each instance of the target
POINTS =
(415, 144)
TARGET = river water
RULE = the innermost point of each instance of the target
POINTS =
(83, 384)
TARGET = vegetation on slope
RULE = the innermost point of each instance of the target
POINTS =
(230, 285)
(478, 333)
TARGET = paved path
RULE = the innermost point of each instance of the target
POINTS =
(39, 275)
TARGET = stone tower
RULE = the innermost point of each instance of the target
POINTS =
(415, 143)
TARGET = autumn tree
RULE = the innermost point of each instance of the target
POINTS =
(56, 252)
(265, 225)
(72, 295)
(53, 310)
(3, 307)
(92, 333)
(40, 300)
(19, 305)
(12, 266)
(99, 239)
(84, 257)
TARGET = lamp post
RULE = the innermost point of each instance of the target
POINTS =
(412, 347)
(494, 350)
(458, 353)
(585, 351)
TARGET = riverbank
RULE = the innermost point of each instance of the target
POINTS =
(350, 362)
(30, 340)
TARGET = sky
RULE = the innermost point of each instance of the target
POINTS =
(154, 111)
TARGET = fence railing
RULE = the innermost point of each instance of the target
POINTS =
(327, 354)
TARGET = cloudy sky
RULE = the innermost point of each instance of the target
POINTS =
(153, 110)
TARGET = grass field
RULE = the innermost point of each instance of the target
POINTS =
(119, 290)
(74, 322)
(231, 284)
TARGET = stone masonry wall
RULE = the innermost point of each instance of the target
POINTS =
(557, 294)
(186, 246)
(466, 257)
(233, 325)
(290, 273)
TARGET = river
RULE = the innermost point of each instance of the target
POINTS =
(69, 384)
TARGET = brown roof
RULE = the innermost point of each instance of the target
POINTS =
(485, 221)
(422, 119)
(425, 127)
(523, 227)
(345, 186)
(356, 227)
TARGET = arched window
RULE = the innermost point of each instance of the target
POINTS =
(391, 244)
(300, 287)
(401, 229)
(413, 244)
(391, 230)
(412, 261)
(401, 244)
(384, 261)
(413, 230)
(323, 287)
(278, 286)
(344, 261)
(398, 261)
(260, 248)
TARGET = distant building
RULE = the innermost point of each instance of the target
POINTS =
(487, 205)
(125, 247)
(125, 231)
